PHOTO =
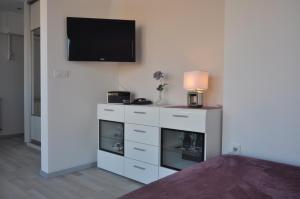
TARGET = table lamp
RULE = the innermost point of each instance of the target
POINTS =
(196, 82)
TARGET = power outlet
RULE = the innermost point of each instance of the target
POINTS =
(236, 149)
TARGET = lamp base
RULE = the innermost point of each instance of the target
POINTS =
(195, 99)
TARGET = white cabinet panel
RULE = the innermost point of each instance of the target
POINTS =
(141, 172)
(142, 134)
(11, 23)
(142, 152)
(111, 162)
(35, 15)
(111, 112)
(145, 115)
(15, 23)
(183, 119)
(164, 172)
(142, 147)
(3, 22)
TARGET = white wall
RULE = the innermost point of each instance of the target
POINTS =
(11, 77)
(69, 124)
(261, 89)
(174, 36)
(187, 36)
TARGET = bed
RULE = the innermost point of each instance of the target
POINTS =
(226, 177)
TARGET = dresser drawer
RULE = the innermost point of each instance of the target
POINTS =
(111, 112)
(142, 115)
(183, 119)
(141, 172)
(142, 134)
(142, 152)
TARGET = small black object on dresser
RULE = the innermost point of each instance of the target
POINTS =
(118, 96)
(141, 101)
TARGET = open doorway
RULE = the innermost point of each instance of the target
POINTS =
(20, 111)
(11, 68)
(20, 84)
(32, 69)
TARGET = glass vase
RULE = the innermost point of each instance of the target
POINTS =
(159, 100)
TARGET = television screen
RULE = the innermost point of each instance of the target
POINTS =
(101, 39)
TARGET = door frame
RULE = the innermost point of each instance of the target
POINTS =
(28, 55)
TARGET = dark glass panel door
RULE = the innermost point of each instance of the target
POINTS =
(111, 137)
(181, 149)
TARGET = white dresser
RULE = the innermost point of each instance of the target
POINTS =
(136, 141)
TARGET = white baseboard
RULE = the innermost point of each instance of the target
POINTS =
(10, 132)
(5, 134)
(33, 146)
(67, 171)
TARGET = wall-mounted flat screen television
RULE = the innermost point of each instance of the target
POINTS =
(100, 39)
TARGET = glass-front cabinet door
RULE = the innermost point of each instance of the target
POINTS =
(111, 137)
(36, 73)
(181, 149)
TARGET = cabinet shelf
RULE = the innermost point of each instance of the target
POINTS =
(112, 138)
(181, 149)
(112, 145)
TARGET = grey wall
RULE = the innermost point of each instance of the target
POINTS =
(11, 86)
(261, 87)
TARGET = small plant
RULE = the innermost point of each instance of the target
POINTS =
(160, 76)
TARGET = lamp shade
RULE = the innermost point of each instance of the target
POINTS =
(196, 80)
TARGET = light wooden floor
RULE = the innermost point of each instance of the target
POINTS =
(19, 178)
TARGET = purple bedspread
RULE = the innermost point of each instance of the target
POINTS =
(226, 177)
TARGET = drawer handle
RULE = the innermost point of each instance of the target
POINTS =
(139, 131)
(139, 149)
(138, 167)
(181, 116)
(139, 112)
(110, 110)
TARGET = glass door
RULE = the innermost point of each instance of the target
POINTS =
(181, 149)
(111, 137)
(35, 119)
(36, 73)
